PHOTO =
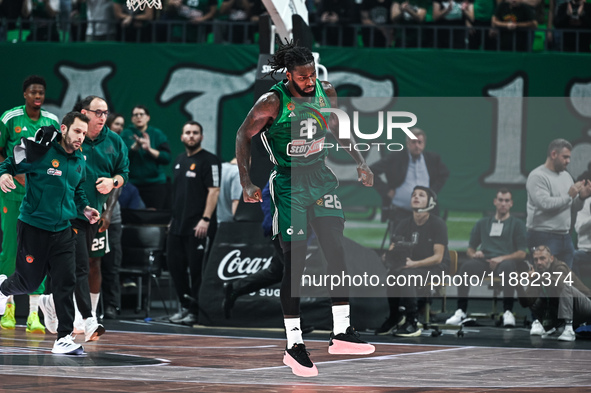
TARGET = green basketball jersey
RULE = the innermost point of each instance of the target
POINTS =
(16, 124)
(302, 144)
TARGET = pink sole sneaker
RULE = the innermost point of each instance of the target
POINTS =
(298, 369)
(339, 347)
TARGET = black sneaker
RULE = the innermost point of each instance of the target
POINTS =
(229, 299)
(299, 360)
(349, 343)
(390, 325)
(409, 329)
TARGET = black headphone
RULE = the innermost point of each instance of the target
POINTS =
(432, 199)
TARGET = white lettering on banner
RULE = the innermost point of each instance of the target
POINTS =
(233, 267)
(580, 99)
(207, 89)
(508, 135)
(80, 83)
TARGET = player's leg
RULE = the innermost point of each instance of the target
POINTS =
(98, 249)
(290, 224)
(9, 214)
(328, 225)
(84, 238)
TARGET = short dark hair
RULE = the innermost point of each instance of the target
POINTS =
(141, 107)
(417, 132)
(558, 145)
(70, 116)
(504, 190)
(290, 56)
(111, 118)
(85, 103)
(194, 123)
(34, 80)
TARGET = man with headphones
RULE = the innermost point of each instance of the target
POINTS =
(418, 248)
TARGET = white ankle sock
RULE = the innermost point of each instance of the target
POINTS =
(340, 318)
(94, 299)
(10, 299)
(293, 331)
(33, 304)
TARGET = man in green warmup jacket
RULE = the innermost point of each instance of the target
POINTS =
(54, 195)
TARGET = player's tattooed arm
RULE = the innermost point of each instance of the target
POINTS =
(364, 174)
(263, 113)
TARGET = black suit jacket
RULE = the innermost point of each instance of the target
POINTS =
(395, 165)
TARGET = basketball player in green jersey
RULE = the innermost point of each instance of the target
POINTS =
(302, 192)
(20, 122)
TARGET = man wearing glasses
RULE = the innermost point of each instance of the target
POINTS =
(149, 153)
(107, 168)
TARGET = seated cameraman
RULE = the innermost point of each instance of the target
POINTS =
(502, 243)
(554, 290)
(419, 246)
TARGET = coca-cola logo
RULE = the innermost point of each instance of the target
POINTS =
(233, 266)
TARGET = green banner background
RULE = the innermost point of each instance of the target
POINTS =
(214, 85)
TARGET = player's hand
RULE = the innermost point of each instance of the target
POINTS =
(365, 175)
(91, 214)
(6, 183)
(104, 185)
(409, 263)
(478, 255)
(104, 222)
(252, 194)
(201, 229)
(20, 179)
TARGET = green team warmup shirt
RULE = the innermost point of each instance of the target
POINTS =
(301, 184)
(14, 125)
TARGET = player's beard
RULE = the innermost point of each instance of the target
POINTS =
(302, 92)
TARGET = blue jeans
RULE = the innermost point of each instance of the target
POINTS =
(581, 262)
(560, 245)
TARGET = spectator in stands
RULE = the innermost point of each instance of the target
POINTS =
(43, 18)
(452, 15)
(563, 289)
(418, 248)
(78, 21)
(149, 153)
(377, 16)
(550, 194)
(582, 256)
(514, 22)
(574, 14)
(335, 16)
(192, 14)
(553, 36)
(478, 15)
(10, 11)
(196, 187)
(230, 192)
(502, 243)
(241, 13)
(133, 25)
(101, 21)
(409, 14)
(404, 171)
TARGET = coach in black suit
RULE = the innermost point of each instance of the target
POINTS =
(404, 170)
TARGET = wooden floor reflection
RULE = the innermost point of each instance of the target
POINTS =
(158, 362)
